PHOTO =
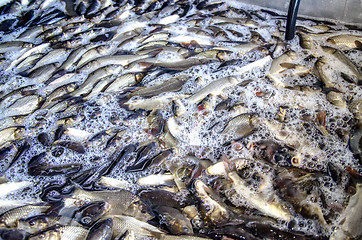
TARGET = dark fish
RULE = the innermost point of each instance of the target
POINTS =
(232, 230)
(36, 160)
(157, 197)
(7, 25)
(54, 170)
(175, 221)
(81, 8)
(106, 168)
(143, 159)
(93, 8)
(57, 151)
(13, 234)
(74, 146)
(26, 18)
(38, 223)
(59, 132)
(102, 230)
(223, 105)
(61, 232)
(49, 18)
(355, 142)
(160, 158)
(38, 166)
(44, 139)
(4, 152)
(91, 212)
(122, 201)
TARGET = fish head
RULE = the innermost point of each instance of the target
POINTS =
(39, 222)
(180, 226)
(46, 235)
(139, 210)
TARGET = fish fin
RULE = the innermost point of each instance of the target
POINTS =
(154, 52)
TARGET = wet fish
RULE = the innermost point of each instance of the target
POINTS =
(101, 230)
(121, 224)
(11, 187)
(171, 85)
(10, 218)
(90, 213)
(214, 208)
(23, 106)
(350, 218)
(35, 224)
(350, 41)
(176, 222)
(143, 159)
(240, 126)
(7, 135)
(122, 202)
(273, 208)
(62, 232)
(215, 87)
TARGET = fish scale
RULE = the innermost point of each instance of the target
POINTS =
(10, 218)
(248, 135)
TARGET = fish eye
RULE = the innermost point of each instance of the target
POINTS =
(86, 220)
(32, 223)
(143, 211)
(186, 230)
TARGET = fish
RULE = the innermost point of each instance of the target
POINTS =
(294, 191)
(273, 208)
(171, 85)
(11, 187)
(62, 232)
(39, 223)
(114, 183)
(101, 230)
(276, 67)
(128, 79)
(10, 134)
(11, 217)
(214, 208)
(121, 224)
(355, 141)
(143, 158)
(175, 221)
(349, 218)
(347, 40)
(23, 106)
(90, 213)
(306, 41)
(158, 197)
(215, 87)
(158, 102)
(346, 65)
(239, 126)
(176, 120)
(185, 237)
(122, 202)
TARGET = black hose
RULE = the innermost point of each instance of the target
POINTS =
(291, 19)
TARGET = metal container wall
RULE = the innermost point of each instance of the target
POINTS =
(342, 10)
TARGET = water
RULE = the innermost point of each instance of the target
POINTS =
(199, 130)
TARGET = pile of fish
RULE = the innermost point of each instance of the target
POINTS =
(177, 119)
